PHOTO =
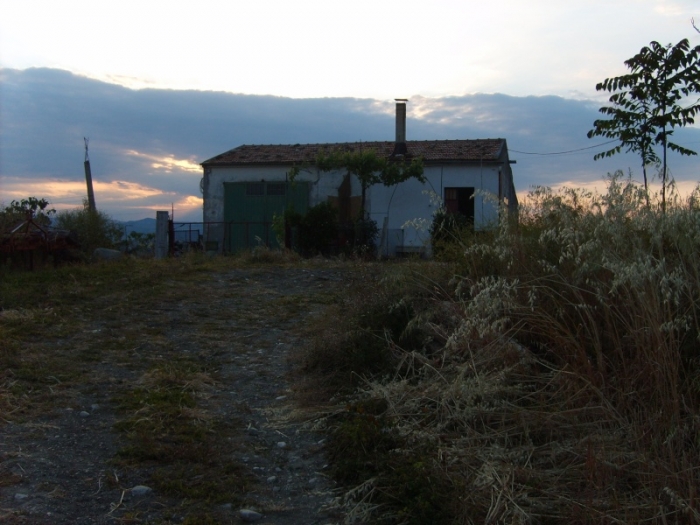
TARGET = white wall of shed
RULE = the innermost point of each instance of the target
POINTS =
(410, 205)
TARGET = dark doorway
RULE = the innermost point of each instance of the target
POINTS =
(460, 200)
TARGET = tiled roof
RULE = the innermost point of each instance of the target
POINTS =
(429, 150)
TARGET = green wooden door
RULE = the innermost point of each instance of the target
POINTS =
(250, 206)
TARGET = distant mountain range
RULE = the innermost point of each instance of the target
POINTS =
(141, 226)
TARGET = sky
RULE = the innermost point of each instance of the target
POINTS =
(158, 87)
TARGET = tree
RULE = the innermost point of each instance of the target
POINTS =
(29, 208)
(370, 169)
(647, 104)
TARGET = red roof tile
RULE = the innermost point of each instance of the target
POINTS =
(429, 150)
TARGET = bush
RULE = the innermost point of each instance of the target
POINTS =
(367, 333)
(359, 238)
(93, 229)
(565, 383)
(313, 233)
(446, 231)
(318, 230)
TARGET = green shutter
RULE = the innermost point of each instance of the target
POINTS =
(250, 206)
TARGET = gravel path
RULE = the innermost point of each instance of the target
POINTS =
(59, 468)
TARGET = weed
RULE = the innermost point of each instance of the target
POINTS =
(78, 330)
(369, 330)
(557, 376)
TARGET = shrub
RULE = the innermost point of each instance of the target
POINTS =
(446, 230)
(313, 233)
(94, 229)
(318, 230)
(565, 383)
(370, 331)
(358, 238)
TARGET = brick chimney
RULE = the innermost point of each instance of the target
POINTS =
(400, 144)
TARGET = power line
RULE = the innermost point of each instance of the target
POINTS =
(562, 152)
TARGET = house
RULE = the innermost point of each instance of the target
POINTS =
(245, 187)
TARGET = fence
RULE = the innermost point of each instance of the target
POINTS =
(221, 237)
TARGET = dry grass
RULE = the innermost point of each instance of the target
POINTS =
(556, 381)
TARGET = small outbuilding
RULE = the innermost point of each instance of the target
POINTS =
(245, 187)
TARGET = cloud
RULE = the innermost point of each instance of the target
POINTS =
(146, 145)
(65, 194)
(167, 163)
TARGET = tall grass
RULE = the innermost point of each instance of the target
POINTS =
(567, 388)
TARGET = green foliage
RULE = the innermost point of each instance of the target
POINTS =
(31, 207)
(650, 102)
(365, 445)
(359, 443)
(313, 233)
(359, 238)
(370, 169)
(371, 320)
(139, 242)
(318, 229)
(446, 231)
(319, 232)
(93, 229)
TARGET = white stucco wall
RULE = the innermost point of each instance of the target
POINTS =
(415, 203)
(408, 202)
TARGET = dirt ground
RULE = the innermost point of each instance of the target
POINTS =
(61, 453)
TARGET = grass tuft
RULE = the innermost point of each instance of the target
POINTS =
(555, 379)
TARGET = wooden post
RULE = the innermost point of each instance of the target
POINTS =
(161, 234)
(88, 180)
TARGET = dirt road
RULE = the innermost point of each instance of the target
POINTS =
(167, 406)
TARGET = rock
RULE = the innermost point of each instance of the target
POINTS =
(20, 496)
(105, 254)
(141, 490)
(272, 479)
(249, 515)
(281, 444)
(94, 407)
(84, 414)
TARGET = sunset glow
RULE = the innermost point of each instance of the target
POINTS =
(167, 163)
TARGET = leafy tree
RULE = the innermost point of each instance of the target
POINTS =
(647, 104)
(31, 207)
(370, 169)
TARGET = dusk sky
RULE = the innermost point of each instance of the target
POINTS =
(158, 87)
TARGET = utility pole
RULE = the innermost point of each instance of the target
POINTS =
(88, 180)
